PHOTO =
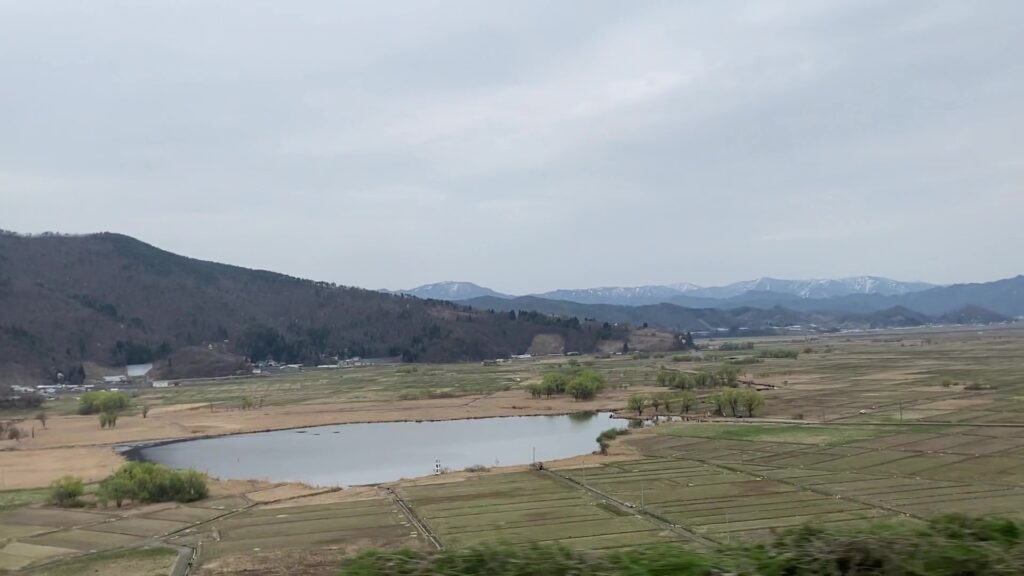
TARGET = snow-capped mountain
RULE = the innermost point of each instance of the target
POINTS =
(628, 296)
(685, 287)
(452, 291)
(688, 294)
(815, 288)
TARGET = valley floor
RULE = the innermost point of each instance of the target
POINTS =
(897, 426)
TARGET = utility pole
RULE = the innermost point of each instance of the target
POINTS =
(901, 410)
(534, 455)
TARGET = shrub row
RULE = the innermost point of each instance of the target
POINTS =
(948, 546)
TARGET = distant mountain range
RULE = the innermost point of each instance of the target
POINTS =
(860, 295)
(740, 320)
(111, 300)
(685, 293)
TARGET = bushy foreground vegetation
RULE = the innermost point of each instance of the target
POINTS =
(145, 482)
(951, 545)
(141, 482)
(604, 438)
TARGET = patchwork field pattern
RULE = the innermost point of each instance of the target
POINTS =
(375, 522)
(525, 507)
(729, 489)
(31, 535)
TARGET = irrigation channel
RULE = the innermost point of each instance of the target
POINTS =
(357, 454)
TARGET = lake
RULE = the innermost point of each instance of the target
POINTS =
(354, 454)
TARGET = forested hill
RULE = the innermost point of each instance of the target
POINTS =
(112, 299)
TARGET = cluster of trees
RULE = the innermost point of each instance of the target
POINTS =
(951, 545)
(75, 375)
(779, 353)
(140, 482)
(726, 375)
(685, 401)
(102, 401)
(737, 403)
(131, 352)
(580, 383)
(728, 402)
(105, 403)
(735, 346)
(261, 342)
(145, 482)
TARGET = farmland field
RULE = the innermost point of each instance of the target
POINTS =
(897, 426)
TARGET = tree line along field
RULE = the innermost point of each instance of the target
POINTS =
(890, 376)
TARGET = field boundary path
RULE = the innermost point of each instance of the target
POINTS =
(187, 557)
(414, 519)
(631, 510)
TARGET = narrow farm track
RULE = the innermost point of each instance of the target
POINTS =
(626, 508)
(414, 519)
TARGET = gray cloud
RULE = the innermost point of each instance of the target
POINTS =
(525, 145)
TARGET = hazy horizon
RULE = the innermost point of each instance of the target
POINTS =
(525, 147)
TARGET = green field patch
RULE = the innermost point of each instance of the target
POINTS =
(770, 501)
(792, 473)
(915, 464)
(822, 506)
(139, 562)
(984, 446)
(795, 434)
(941, 494)
(794, 520)
(83, 540)
(551, 531)
(531, 518)
(10, 531)
(185, 514)
(939, 443)
(53, 517)
(803, 459)
(266, 528)
(286, 537)
(612, 541)
(981, 468)
(16, 555)
(140, 527)
(1011, 506)
(868, 486)
(862, 461)
(312, 512)
(438, 506)
(16, 498)
(833, 478)
(226, 503)
(568, 500)
(894, 440)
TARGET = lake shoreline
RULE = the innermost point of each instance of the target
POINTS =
(376, 453)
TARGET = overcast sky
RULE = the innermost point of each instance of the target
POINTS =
(525, 145)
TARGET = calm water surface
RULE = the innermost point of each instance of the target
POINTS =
(352, 454)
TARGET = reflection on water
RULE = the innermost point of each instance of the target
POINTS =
(350, 454)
